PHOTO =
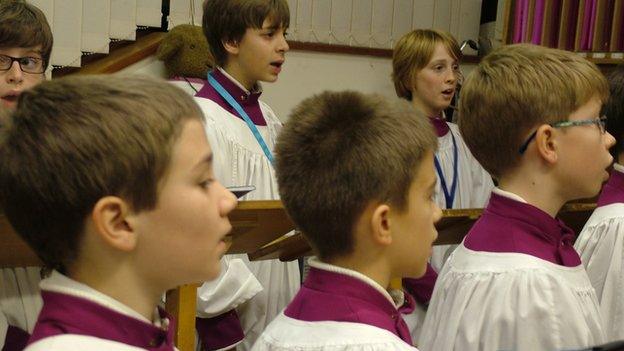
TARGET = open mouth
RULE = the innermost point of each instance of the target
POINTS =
(277, 64)
(10, 98)
(448, 92)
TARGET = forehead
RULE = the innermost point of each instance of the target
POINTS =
(425, 173)
(591, 109)
(21, 51)
(441, 53)
(190, 147)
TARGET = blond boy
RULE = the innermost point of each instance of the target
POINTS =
(531, 117)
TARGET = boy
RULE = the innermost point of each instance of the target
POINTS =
(425, 71)
(600, 243)
(25, 48)
(531, 116)
(119, 172)
(355, 173)
(247, 40)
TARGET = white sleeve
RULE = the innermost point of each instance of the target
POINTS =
(601, 247)
(235, 285)
(4, 326)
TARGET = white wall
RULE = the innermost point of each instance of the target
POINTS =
(308, 73)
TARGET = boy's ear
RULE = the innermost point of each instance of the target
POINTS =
(110, 219)
(231, 46)
(546, 143)
(380, 225)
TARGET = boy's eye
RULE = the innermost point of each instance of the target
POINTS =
(30, 62)
(206, 183)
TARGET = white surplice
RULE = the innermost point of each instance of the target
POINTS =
(474, 184)
(20, 299)
(286, 334)
(239, 160)
(601, 247)
(510, 301)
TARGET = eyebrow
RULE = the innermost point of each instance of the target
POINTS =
(206, 161)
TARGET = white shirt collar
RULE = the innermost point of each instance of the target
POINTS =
(508, 195)
(60, 283)
(258, 87)
(618, 167)
(396, 297)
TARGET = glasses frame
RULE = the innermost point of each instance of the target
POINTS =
(19, 63)
(600, 121)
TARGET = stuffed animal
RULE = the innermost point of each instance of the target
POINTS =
(185, 52)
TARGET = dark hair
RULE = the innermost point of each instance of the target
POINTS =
(614, 110)
(227, 20)
(72, 141)
(24, 25)
(341, 150)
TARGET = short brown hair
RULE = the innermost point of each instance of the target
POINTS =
(227, 20)
(515, 89)
(338, 152)
(24, 25)
(72, 141)
(412, 53)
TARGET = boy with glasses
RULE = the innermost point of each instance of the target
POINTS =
(601, 242)
(516, 282)
(25, 47)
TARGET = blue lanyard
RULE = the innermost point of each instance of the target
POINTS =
(239, 109)
(448, 196)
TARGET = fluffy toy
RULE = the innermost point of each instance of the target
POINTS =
(185, 52)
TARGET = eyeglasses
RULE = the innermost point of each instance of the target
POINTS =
(600, 121)
(27, 64)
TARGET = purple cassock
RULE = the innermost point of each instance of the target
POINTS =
(332, 296)
(248, 100)
(68, 314)
(527, 229)
(613, 190)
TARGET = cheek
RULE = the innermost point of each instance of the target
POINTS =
(32, 80)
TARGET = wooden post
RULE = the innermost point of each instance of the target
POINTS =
(181, 304)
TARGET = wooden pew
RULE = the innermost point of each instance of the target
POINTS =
(451, 230)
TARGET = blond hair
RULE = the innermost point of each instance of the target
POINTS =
(514, 90)
(412, 53)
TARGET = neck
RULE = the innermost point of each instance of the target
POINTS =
(540, 193)
(371, 268)
(429, 112)
(129, 289)
(236, 71)
(620, 158)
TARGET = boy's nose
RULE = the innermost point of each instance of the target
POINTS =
(437, 213)
(609, 140)
(14, 74)
(228, 202)
(283, 45)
